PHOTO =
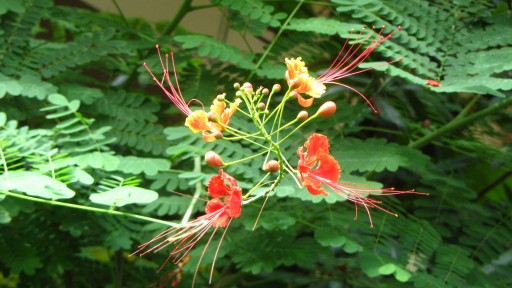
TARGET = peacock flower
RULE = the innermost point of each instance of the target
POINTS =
(344, 65)
(221, 113)
(213, 122)
(197, 121)
(298, 77)
(226, 204)
(226, 195)
(317, 169)
(317, 162)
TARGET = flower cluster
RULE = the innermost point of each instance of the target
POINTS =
(317, 170)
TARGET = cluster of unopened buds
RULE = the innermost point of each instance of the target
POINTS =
(316, 170)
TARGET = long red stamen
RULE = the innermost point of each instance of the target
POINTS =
(353, 192)
(175, 93)
(343, 66)
(183, 238)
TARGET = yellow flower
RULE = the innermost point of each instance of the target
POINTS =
(213, 122)
(197, 121)
(221, 114)
(297, 76)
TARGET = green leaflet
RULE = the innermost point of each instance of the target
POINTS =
(207, 46)
(121, 196)
(376, 155)
(35, 184)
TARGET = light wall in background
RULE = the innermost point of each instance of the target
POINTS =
(205, 21)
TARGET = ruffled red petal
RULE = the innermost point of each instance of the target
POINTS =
(217, 187)
(315, 188)
(214, 205)
(328, 168)
(234, 203)
(316, 144)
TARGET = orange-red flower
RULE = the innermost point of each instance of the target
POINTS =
(317, 169)
(226, 204)
(226, 195)
(317, 156)
(348, 59)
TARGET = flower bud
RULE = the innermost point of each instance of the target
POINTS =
(212, 117)
(302, 116)
(221, 97)
(213, 159)
(218, 135)
(238, 94)
(248, 88)
(276, 88)
(327, 109)
(265, 91)
(261, 106)
(236, 85)
(294, 83)
(272, 166)
(294, 95)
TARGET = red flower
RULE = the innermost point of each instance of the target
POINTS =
(225, 204)
(232, 198)
(317, 155)
(328, 172)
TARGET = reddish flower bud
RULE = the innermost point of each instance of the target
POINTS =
(265, 91)
(276, 88)
(272, 166)
(213, 159)
(327, 109)
(236, 85)
(294, 95)
(248, 88)
(302, 116)
(261, 106)
(217, 135)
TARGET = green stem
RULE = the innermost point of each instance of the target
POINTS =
(298, 127)
(247, 158)
(275, 39)
(118, 8)
(384, 130)
(467, 107)
(197, 193)
(256, 186)
(182, 12)
(284, 127)
(199, 7)
(460, 122)
(87, 208)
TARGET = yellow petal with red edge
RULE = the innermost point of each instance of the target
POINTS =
(197, 121)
